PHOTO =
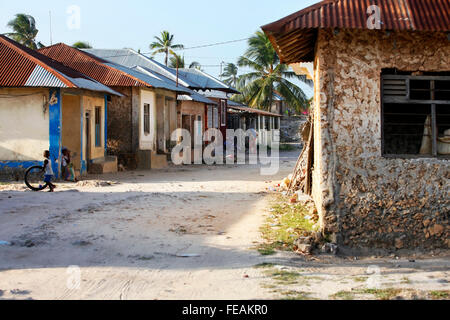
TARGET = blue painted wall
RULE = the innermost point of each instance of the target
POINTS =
(55, 120)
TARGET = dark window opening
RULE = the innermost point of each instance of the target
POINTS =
(416, 115)
(98, 127)
(146, 118)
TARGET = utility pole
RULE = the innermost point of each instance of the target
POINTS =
(51, 37)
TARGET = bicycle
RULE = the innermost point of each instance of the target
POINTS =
(34, 178)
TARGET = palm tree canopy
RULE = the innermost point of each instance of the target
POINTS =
(174, 63)
(24, 30)
(82, 45)
(230, 73)
(164, 44)
(268, 77)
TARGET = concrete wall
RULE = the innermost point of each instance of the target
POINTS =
(367, 200)
(89, 105)
(24, 124)
(71, 127)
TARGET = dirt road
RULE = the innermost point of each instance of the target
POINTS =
(180, 233)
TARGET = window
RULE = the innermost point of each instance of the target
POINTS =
(98, 127)
(223, 111)
(216, 117)
(416, 115)
(210, 116)
(146, 118)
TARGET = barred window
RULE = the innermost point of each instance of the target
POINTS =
(146, 118)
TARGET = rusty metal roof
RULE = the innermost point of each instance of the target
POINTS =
(24, 67)
(294, 36)
(92, 66)
(238, 107)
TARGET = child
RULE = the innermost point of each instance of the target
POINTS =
(65, 161)
(48, 171)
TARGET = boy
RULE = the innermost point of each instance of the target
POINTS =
(48, 171)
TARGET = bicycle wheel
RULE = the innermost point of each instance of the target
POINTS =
(34, 178)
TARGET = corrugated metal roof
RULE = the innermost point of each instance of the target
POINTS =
(191, 78)
(92, 66)
(294, 36)
(243, 108)
(24, 67)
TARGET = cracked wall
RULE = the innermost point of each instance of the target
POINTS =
(364, 199)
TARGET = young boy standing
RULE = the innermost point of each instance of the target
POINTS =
(48, 171)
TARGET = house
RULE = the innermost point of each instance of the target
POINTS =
(141, 122)
(378, 164)
(45, 105)
(199, 81)
(264, 123)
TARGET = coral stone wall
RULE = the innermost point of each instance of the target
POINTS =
(364, 199)
(120, 122)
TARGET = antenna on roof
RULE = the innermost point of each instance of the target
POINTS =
(51, 38)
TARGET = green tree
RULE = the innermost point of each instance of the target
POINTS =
(82, 45)
(164, 44)
(195, 65)
(174, 63)
(269, 77)
(230, 73)
(24, 31)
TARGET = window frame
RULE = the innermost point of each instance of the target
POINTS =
(406, 99)
(223, 113)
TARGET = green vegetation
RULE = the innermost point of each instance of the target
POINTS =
(230, 73)
(286, 225)
(264, 265)
(282, 276)
(296, 295)
(440, 295)
(82, 45)
(268, 77)
(24, 31)
(164, 44)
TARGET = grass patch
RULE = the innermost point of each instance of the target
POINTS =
(264, 265)
(282, 276)
(439, 295)
(286, 224)
(343, 295)
(360, 279)
(379, 294)
(406, 280)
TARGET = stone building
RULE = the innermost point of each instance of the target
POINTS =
(378, 163)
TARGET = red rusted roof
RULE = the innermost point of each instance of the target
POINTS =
(23, 67)
(294, 36)
(92, 66)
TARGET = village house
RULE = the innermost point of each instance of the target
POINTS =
(264, 123)
(45, 106)
(213, 115)
(140, 122)
(377, 158)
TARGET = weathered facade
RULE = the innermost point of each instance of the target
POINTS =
(363, 197)
(377, 166)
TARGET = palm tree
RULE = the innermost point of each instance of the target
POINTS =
(24, 31)
(82, 45)
(195, 65)
(164, 44)
(177, 64)
(230, 73)
(269, 77)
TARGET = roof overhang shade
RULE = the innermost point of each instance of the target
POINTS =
(294, 37)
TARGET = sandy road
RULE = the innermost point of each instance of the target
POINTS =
(180, 233)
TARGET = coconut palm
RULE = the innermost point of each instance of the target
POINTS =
(177, 61)
(195, 65)
(164, 44)
(269, 77)
(230, 73)
(82, 45)
(24, 31)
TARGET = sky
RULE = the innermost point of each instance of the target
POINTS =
(134, 23)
